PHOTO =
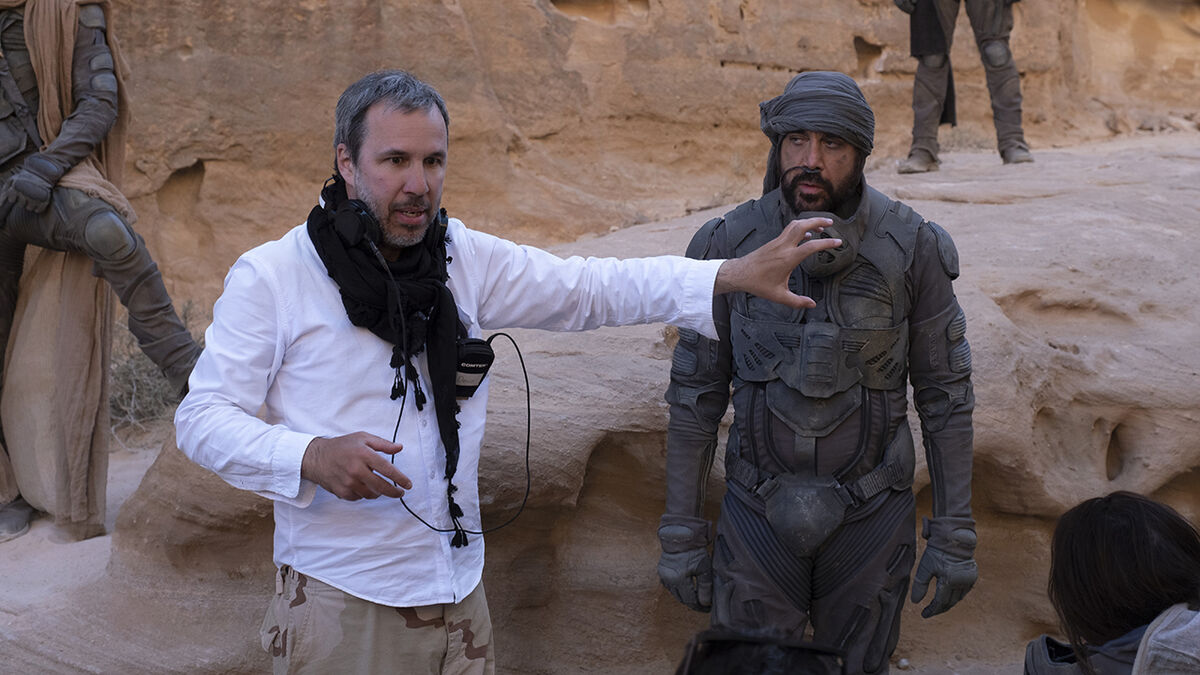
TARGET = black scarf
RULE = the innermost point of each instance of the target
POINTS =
(409, 305)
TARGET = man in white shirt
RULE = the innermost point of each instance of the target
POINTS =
(346, 333)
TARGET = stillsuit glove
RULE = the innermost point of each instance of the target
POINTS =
(31, 185)
(906, 6)
(685, 567)
(949, 556)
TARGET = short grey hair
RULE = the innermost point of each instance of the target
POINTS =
(400, 89)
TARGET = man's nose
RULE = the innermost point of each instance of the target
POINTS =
(814, 158)
(415, 181)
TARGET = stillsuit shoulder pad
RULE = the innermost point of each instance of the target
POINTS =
(947, 252)
(701, 243)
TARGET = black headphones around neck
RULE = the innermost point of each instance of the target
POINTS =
(354, 223)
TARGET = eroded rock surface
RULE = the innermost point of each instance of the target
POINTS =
(575, 116)
(572, 118)
(1076, 282)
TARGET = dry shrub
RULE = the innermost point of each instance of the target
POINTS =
(138, 394)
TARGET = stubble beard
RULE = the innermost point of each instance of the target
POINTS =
(833, 197)
(382, 211)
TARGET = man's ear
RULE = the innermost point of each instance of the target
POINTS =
(345, 166)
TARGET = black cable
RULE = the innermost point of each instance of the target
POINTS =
(404, 398)
(528, 473)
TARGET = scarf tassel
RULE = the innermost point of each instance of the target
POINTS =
(456, 512)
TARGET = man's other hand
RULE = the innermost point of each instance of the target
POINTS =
(354, 467)
(685, 567)
(950, 558)
(764, 272)
(31, 185)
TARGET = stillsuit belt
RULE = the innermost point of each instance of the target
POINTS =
(857, 491)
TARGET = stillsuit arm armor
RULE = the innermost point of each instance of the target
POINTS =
(698, 397)
(940, 372)
(93, 90)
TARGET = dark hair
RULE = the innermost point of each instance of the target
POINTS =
(401, 90)
(1116, 562)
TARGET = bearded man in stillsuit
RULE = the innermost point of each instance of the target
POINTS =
(815, 540)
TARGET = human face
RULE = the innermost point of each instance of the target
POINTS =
(820, 171)
(399, 172)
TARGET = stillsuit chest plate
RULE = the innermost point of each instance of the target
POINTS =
(856, 334)
(15, 141)
(16, 53)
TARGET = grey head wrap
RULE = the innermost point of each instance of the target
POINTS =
(822, 101)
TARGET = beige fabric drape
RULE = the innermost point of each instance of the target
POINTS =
(55, 395)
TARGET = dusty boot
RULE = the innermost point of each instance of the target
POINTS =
(14, 519)
(918, 161)
(1016, 155)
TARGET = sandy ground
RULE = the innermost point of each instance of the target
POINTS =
(44, 562)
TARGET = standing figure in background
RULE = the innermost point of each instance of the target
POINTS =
(63, 117)
(932, 34)
(816, 534)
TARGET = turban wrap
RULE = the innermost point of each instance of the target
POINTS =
(816, 101)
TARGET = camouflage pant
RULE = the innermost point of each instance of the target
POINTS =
(312, 627)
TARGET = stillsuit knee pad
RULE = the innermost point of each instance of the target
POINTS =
(108, 237)
(933, 60)
(996, 53)
(91, 15)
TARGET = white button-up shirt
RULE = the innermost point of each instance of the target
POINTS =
(282, 364)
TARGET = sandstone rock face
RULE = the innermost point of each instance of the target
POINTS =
(572, 118)
(1076, 283)
(577, 116)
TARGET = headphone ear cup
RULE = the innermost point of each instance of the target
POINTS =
(354, 222)
(370, 224)
(348, 226)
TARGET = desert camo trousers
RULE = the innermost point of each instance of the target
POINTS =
(312, 627)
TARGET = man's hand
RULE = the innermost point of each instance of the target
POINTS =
(764, 272)
(685, 567)
(354, 467)
(949, 556)
(688, 576)
(31, 185)
(906, 6)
